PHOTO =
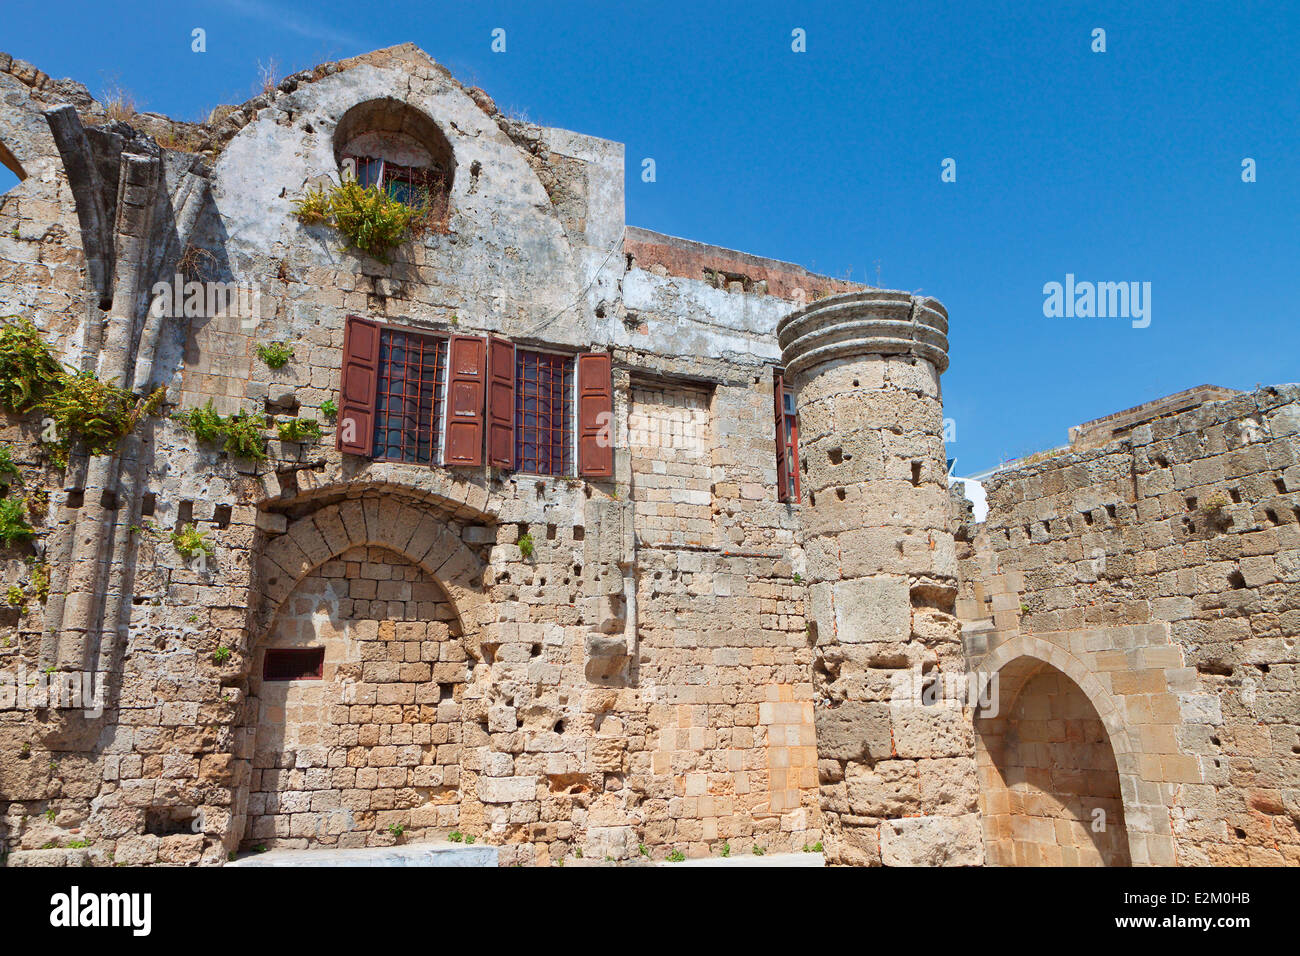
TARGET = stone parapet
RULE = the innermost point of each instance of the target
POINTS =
(871, 322)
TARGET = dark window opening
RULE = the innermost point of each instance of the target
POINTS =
(543, 413)
(789, 446)
(293, 663)
(408, 406)
(221, 516)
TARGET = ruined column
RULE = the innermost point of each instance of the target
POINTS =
(894, 741)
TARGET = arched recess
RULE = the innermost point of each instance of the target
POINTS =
(386, 142)
(392, 599)
(417, 534)
(1052, 752)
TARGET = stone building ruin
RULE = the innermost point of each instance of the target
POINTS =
(612, 545)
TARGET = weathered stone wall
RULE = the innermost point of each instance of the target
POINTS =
(1162, 574)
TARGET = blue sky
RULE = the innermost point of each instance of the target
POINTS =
(1115, 166)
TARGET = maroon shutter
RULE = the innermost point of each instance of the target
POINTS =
(595, 416)
(501, 403)
(466, 372)
(358, 382)
(782, 458)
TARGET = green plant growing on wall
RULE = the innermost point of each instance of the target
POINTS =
(189, 541)
(397, 829)
(242, 434)
(275, 354)
(1216, 503)
(13, 522)
(329, 409)
(298, 429)
(677, 856)
(40, 579)
(221, 655)
(526, 546)
(455, 836)
(96, 412)
(16, 596)
(29, 372)
(80, 405)
(8, 469)
(38, 502)
(370, 219)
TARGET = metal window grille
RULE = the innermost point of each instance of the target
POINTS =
(543, 413)
(408, 407)
(408, 184)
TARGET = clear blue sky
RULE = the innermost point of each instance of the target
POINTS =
(1122, 166)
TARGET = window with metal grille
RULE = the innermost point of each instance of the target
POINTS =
(790, 442)
(412, 185)
(293, 663)
(408, 405)
(543, 413)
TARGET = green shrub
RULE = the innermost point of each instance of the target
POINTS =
(369, 218)
(190, 541)
(677, 856)
(8, 469)
(299, 429)
(29, 372)
(40, 579)
(275, 355)
(16, 596)
(13, 521)
(242, 434)
(221, 655)
(97, 412)
(526, 546)
(81, 406)
(328, 408)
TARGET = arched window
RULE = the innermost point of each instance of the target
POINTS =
(388, 143)
(11, 171)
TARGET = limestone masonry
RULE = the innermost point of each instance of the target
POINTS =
(612, 546)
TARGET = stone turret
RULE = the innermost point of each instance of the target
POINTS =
(895, 748)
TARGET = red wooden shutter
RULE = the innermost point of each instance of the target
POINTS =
(501, 403)
(595, 416)
(782, 458)
(358, 381)
(466, 374)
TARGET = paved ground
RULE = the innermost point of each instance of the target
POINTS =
(415, 854)
(771, 859)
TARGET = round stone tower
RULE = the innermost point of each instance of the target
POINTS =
(894, 741)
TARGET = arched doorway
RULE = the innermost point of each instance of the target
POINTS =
(1049, 782)
(356, 690)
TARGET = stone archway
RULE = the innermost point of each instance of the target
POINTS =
(1040, 681)
(385, 600)
(1049, 781)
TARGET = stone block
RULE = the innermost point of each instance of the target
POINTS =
(932, 841)
(854, 730)
(872, 610)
